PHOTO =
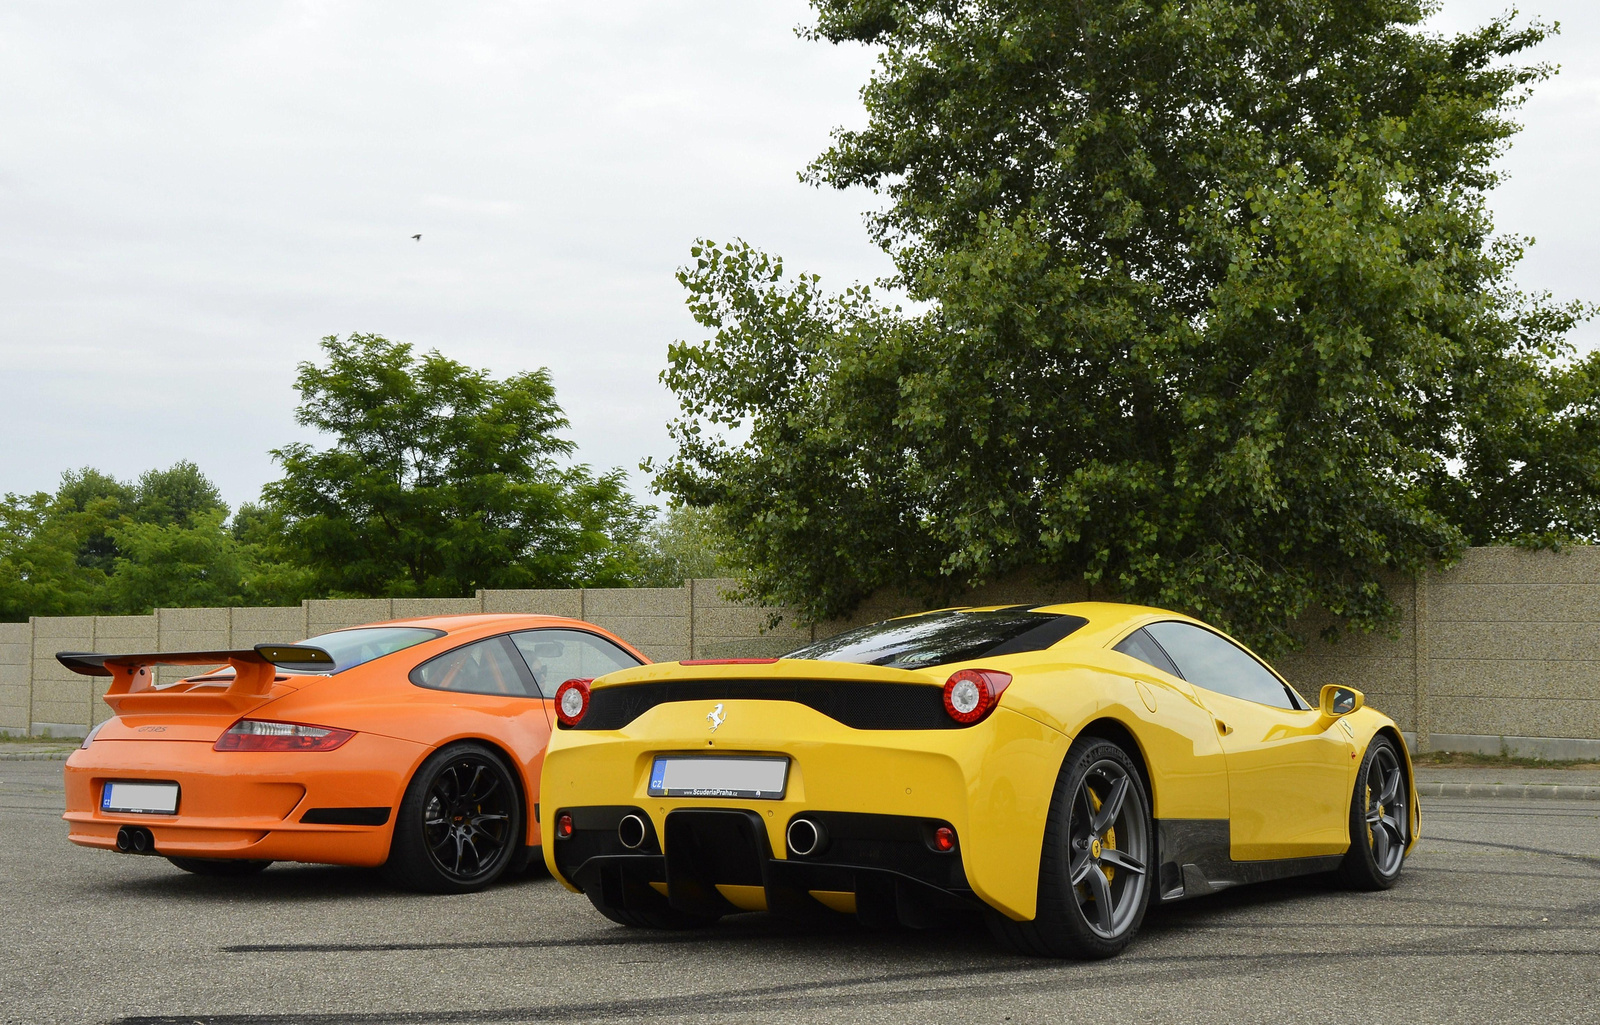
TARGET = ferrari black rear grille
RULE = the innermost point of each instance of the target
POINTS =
(861, 706)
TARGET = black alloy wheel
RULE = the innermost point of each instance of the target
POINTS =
(1094, 880)
(1380, 820)
(223, 867)
(460, 824)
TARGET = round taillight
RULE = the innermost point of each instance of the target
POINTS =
(971, 694)
(572, 701)
(563, 826)
(944, 839)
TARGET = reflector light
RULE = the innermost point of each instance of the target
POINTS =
(262, 735)
(944, 839)
(971, 694)
(572, 701)
(89, 739)
(564, 826)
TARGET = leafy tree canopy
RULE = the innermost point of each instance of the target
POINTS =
(441, 480)
(684, 543)
(103, 546)
(1208, 311)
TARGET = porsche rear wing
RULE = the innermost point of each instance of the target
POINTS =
(255, 670)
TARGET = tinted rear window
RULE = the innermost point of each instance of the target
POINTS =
(937, 638)
(351, 648)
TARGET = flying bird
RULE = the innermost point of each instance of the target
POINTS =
(417, 237)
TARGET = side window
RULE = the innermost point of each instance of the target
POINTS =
(1139, 645)
(1209, 661)
(555, 656)
(482, 667)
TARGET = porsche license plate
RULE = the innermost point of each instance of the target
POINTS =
(143, 798)
(763, 779)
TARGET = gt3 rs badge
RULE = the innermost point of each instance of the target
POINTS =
(716, 717)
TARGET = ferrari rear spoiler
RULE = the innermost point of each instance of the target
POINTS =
(254, 672)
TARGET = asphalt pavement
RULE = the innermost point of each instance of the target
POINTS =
(1497, 918)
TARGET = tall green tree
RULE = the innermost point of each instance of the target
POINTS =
(1209, 313)
(442, 479)
(103, 546)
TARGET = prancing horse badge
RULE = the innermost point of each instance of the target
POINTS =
(716, 717)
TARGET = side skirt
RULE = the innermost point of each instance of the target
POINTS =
(1194, 860)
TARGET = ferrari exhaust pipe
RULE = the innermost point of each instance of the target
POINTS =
(631, 832)
(807, 837)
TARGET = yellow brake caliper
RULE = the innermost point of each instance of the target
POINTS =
(1107, 842)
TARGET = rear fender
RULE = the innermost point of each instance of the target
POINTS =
(524, 774)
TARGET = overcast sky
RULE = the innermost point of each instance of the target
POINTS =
(192, 194)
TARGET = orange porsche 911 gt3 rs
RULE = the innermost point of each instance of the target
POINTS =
(415, 745)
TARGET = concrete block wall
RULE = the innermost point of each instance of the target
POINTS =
(63, 702)
(1501, 652)
(724, 628)
(16, 677)
(1514, 647)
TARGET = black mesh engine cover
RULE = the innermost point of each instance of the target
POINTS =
(861, 706)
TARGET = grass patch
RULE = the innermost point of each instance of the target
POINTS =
(1468, 759)
(44, 739)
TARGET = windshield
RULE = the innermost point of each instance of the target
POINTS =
(937, 638)
(351, 648)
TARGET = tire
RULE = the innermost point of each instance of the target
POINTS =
(1380, 820)
(1094, 883)
(460, 823)
(221, 867)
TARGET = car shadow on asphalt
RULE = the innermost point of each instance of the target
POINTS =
(286, 882)
(959, 935)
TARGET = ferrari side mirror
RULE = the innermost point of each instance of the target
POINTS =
(1339, 701)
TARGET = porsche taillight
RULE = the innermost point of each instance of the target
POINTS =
(572, 701)
(971, 694)
(263, 735)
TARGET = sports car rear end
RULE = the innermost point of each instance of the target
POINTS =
(690, 790)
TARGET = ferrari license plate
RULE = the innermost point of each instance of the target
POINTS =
(763, 779)
(143, 798)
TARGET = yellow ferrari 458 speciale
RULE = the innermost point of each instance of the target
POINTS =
(1058, 767)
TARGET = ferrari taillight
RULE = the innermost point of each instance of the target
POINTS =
(262, 735)
(971, 694)
(572, 700)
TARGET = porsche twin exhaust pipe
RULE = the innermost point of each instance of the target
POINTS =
(135, 840)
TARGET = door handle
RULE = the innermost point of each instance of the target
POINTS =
(1223, 728)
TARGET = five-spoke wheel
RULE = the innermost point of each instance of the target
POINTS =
(1094, 882)
(1380, 819)
(460, 824)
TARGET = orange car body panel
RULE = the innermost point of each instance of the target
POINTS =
(248, 804)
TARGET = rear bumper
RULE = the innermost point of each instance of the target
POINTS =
(883, 868)
(250, 805)
(991, 783)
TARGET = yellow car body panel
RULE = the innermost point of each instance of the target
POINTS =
(1280, 779)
